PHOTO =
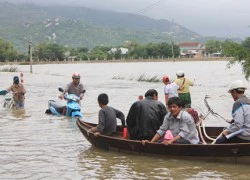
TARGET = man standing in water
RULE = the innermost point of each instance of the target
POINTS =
(183, 91)
(18, 92)
(75, 87)
(170, 89)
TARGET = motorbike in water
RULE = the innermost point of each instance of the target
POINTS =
(72, 107)
(8, 100)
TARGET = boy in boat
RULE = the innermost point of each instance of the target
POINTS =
(18, 92)
(239, 129)
(179, 123)
(107, 117)
(183, 91)
(145, 116)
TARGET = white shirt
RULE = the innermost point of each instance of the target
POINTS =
(171, 90)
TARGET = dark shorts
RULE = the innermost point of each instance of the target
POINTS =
(186, 99)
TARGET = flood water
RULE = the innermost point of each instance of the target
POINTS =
(34, 145)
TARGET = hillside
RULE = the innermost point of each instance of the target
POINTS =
(79, 26)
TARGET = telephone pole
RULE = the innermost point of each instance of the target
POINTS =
(172, 44)
(30, 54)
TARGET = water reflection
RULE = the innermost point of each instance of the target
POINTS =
(101, 164)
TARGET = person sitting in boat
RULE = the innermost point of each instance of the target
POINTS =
(178, 126)
(107, 117)
(145, 116)
(170, 89)
(239, 129)
(183, 91)
(18, 92)
(75, 87)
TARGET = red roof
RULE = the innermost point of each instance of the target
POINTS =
(189, 44)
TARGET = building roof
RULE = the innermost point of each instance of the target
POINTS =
(189, 44)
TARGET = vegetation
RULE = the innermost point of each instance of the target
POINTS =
(141, 78)
(146, 78)
(56, 52)
(7, 51)
(50, 52)
(214, 46)
(9, 69)
(241, 53)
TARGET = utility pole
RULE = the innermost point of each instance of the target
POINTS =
(172, 44)
(30, 54)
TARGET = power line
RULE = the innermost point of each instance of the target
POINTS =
(151, 6)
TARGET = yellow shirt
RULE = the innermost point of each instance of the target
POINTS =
(184, 87)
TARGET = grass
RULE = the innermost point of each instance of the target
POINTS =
(9, 69)
(141, 78)
(148, 78)
(118, 77)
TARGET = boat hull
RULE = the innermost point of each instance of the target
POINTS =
(192, 150)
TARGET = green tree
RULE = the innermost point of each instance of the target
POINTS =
(139, 52)
(241, 55)
(7, 51)
(51, 51)
(100, 52)
(246, 43)
(233, 49)
(214, 46)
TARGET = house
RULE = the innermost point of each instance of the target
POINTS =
(191, 49)
(124, 51)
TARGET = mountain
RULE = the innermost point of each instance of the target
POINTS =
(85, 27)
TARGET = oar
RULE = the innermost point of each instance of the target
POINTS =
(3, 92)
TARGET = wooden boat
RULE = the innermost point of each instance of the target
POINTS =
(238, 152)
(202, 150)
(198, 150)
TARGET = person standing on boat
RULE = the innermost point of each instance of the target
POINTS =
(170, 89)
(240, 125)
(75, 87)
(107, 117)
(183, 91)
(18, 92)
(145, 116)
(179, 125)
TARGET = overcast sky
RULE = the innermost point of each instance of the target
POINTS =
(222, 18)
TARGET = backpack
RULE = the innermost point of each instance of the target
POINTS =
(194, 114)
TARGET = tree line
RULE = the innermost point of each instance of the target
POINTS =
(57, 52)
(240, 52)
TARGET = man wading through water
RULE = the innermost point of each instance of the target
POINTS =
(183, 91)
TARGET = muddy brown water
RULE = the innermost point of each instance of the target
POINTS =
(34, 145)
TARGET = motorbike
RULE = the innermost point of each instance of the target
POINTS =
(72, 107)
(8, 101)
